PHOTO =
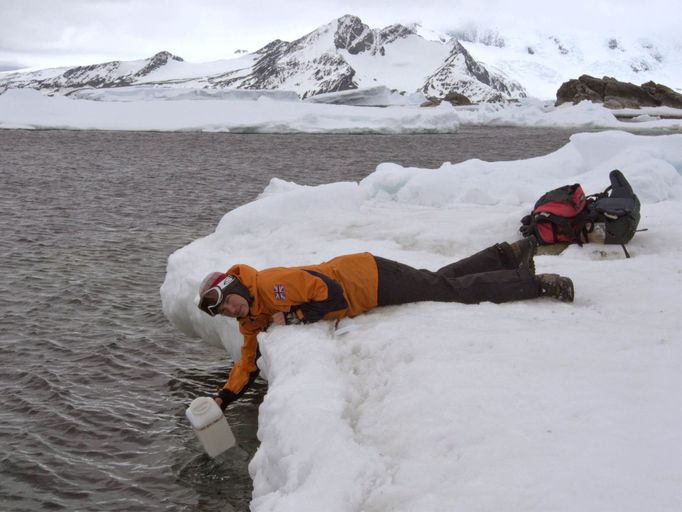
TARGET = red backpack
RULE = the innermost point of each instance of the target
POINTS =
(558, 216)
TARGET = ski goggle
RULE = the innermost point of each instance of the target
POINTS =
(210, 301)
(212, 298)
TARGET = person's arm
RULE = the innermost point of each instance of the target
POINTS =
(244, 371)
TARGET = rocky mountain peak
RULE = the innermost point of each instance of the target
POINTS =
(463, 74)
(274, 46)
(356, 37)
(353, 35)
(394, 32)
(163, 57)
(92, 75)
(157, 61)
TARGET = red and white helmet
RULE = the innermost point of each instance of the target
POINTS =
(213, 289)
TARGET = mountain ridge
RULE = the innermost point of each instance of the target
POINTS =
(346, 54)
(335, 57)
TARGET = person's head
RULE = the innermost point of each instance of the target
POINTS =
(223, 294)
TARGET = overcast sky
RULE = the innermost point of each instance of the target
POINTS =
(49, 33)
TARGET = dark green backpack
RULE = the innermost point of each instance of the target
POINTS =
(618, 208)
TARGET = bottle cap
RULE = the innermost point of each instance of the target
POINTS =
(202, 412)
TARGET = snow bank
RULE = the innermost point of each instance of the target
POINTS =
(188, 109)
(531, 112)
(160, 93)
(380, 96)
(30, 109)
(534, 405)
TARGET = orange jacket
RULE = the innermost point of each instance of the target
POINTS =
(342, 287)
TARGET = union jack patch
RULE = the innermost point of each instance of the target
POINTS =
(279, 292)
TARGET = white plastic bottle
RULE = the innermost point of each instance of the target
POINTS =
(210, 425)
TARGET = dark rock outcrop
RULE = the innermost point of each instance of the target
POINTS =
(453, 97)
(665, 95)
(616, 94)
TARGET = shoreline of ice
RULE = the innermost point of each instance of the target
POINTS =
(254, 112)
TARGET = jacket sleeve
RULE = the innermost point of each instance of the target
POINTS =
(244, 371)
(314, 310)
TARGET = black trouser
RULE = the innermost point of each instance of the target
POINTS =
(490, 275)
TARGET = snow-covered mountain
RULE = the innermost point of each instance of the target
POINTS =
(347, 55)
(108, 74)
(343, 55)
(463, 74)
(542, 61)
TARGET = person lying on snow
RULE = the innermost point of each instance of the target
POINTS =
(349, 285)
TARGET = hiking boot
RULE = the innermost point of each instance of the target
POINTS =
(554, 285)
(523, 251)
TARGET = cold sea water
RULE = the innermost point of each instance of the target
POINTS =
(95, 381)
